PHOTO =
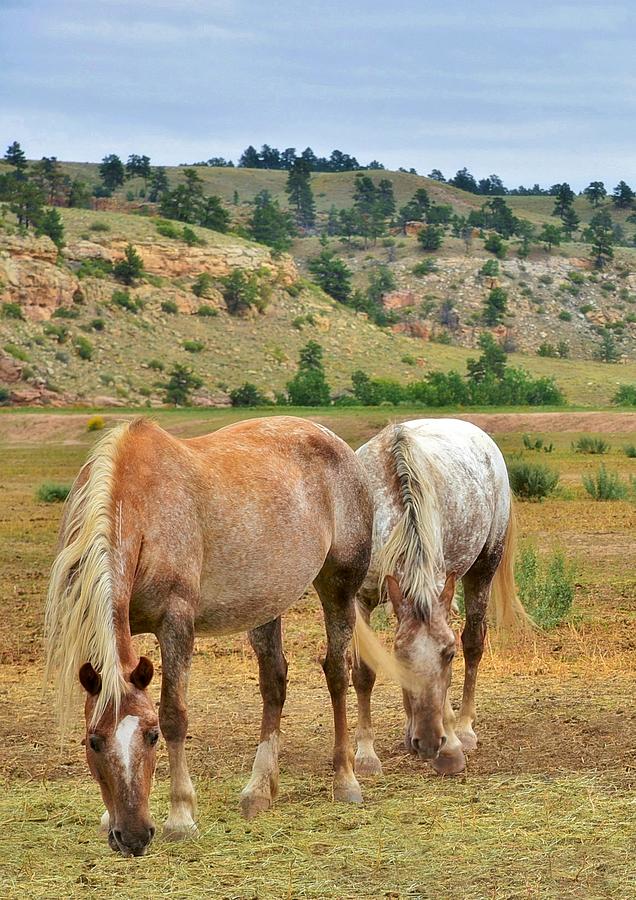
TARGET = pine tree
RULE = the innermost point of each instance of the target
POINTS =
(563, 198)
(301, 198)
(623, 196)
(15, 157)
(571, 221)
(111, 171)
(595, 192)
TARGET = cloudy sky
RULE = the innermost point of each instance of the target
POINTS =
(540, 91)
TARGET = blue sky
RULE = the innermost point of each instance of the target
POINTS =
(543, 92)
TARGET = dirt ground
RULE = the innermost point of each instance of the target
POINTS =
(547, 807)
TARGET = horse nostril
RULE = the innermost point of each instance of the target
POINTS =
(151, 833)
(117, 835)
(443, 741)
(415, 743)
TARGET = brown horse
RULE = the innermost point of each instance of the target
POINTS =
(218, 534)
(443, 511)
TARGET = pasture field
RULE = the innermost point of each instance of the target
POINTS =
(546, 809)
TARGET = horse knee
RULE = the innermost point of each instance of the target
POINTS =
(173, 720)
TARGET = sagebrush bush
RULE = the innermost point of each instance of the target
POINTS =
(95, 423)
(50, 492)
(99, 226)
(123, 300)
(193, 346)
(207, 311)
(83, 347)
(630, 451)
(12, 311)
(586, 444)
(546, 587)
(248, 395)
(625, 395)
(605, 485)
(169, 306)
(530, 481)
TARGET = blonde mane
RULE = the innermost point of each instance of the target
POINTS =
(413, 551)
(78, 623)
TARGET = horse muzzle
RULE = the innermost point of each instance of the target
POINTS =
(131, 842)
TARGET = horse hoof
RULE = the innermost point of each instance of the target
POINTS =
(368, 765)
(468, 738)
(254, 804)
(182, 832)
(348, 792)
(450, 764)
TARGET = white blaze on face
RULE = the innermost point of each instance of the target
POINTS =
(124, 737)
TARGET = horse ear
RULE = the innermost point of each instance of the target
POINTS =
(446, 597)
(395, 593)
(90, 680)
(141, 675)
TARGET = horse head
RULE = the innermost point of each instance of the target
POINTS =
(425, 646)
(121, 754)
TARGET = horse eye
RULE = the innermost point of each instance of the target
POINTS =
(448, 655)
(152, 737)
(96, 743)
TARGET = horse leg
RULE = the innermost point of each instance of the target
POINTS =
(477, 583)
(176, 640)
(451, 760)
(337, 598)
(366, 759)
(262, 788)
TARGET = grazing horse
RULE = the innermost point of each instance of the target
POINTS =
(443, 511)
(218, 534)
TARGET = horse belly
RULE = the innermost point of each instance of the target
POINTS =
(247, 589)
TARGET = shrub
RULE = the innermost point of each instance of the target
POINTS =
(83, 347)
(548, 350)
(430, 238)
(247, 395)
(495, 306)
(191, 238)
(565, 316)
(169, 306)
(123, 300)
(605, 485)
(181, 384)
(494, 243)
(95, 423)
(588, 444)
(49, 492)
(530, 481)
(66, 312)
(12, 311)
(630, 451)
(94, 268)
(193, 346)
(59, 332)
(130, 268)
(207, 311)
(625, 395)
(546, 587)
(490, 268)
(17, 352)
(156, 365)
(97, 324)
(202, 285)
(4, 396)
(242, 291)
(167, 229)
(99, 226)
(425, 267)
(62, 357)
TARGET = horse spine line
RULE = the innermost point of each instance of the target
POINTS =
(78, 623)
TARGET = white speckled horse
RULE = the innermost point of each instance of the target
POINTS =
(443, 511)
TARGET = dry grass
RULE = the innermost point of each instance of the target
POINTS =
(547, 808)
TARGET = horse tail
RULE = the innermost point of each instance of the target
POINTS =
(510, 616)
(368, 648)
(414, 547)
(79, 620)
